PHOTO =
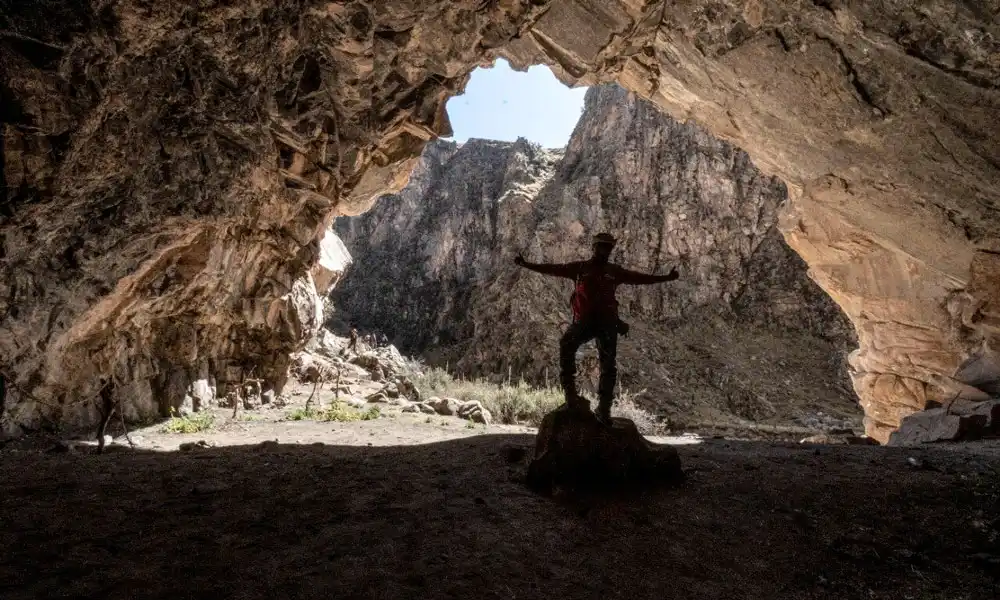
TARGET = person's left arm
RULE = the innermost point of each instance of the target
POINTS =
(629, 277)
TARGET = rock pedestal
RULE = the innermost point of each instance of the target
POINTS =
(575, 450)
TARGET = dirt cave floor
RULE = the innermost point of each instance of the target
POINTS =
(437, 510)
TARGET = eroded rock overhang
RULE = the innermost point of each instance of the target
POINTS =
(170, 169)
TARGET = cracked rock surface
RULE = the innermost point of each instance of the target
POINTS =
(170, 167)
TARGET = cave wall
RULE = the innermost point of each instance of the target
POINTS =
(169, 167)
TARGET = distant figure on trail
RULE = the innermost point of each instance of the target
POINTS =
(595, 315)
(352, 344)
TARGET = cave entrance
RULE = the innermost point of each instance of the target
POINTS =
(502, 104)
(536, 168)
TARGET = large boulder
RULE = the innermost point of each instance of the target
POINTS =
(381, 362)
(474, 411)
(959, 421)
(444, 406)
(575, 450)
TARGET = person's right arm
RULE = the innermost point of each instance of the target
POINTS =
(568, 270)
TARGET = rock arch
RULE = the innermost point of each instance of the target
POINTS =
(170, 169)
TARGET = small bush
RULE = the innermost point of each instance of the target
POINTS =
(200, 421)
(302, 414)
(521, 403)
(508, 403)
(434, 380)
(343, 413)
(340, 412)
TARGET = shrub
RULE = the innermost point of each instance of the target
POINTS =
(434, 380)
(340, 412)
(343, 413)
(508, 403)
(193, 423)
(521, 403)
(302, 414)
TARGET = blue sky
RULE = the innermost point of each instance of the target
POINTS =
(502, 104)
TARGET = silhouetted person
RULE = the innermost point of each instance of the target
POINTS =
(595, 316)
(353, 344)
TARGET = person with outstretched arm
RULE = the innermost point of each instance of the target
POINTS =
(595, 316)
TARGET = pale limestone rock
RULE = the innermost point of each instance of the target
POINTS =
(333, 260)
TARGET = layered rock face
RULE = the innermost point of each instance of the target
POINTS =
(434, 264)
(140, 138)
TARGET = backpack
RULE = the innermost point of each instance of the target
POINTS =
(594, 293)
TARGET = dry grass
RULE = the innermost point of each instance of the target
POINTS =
(338, 411)
(521, 403)
(509, 403)
(193, 423)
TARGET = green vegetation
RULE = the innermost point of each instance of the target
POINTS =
(509, 403)
(193, 423)
(340, 412)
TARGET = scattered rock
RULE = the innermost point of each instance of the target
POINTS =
(380, 363)
(444, 406)
(474, 411)
(407, 389)
(822, 438)
(377, 397)
(420, 407)
(189, 446)
(960, 421)
(391, 391)
(919, 463)
(308, 367)
(267, 397)
(847, 438)
(356, 402)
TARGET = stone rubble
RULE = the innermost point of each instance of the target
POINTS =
(960, 421)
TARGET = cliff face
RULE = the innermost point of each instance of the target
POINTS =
(434, 263)
(169, 168)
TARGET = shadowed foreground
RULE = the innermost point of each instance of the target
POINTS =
(454, 520)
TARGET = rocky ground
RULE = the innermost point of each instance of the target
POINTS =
(413, 504)
(401, 508)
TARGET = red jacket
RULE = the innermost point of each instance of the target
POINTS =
(596, 284)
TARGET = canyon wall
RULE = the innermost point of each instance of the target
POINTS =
(170, 167)
(434, 266)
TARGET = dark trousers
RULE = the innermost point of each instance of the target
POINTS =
(605, 331)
